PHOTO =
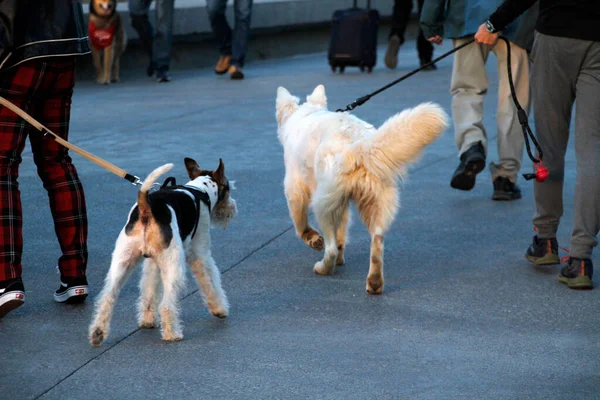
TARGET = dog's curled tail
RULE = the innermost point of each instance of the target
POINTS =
(399, 141)
(142, 201)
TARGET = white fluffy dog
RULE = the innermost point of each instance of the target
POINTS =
(334, 158)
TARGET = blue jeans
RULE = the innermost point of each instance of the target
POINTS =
(233, 43)
(159, 44)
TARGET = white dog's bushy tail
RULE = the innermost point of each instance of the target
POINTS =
(399, 141)
(143, 203)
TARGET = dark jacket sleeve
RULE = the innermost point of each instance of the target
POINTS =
(432, 18)
(8, 11)
(508, 12)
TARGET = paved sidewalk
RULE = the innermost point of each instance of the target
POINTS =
(463, 315)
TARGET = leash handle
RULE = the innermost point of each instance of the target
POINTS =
(45, 131)
(541, 172)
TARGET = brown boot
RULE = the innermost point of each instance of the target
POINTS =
(235, 72)
(222, 65)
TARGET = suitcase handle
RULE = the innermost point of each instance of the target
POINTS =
(368, 4)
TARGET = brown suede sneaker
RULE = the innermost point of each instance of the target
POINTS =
(235, 72)
(222, 65)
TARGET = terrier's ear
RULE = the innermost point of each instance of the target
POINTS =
(192, 167)
(219, 173)
(318, 97)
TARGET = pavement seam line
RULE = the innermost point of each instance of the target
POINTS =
(86, 363)
(183, 298)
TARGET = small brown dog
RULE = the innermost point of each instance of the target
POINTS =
(107, 39)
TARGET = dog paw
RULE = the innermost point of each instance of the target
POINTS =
(220, 314)
(313, 239)
(175, 337)
(147, 325)
(97, 336)
(321, 269)
(375, 284)
(340, 260)
(114, 80)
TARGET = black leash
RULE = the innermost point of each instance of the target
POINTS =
(541, 172)
(362, 100)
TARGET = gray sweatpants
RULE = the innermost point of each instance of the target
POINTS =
(564, 71)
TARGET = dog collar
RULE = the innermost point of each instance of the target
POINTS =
(101, 38)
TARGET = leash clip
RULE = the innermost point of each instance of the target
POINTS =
(137, 181)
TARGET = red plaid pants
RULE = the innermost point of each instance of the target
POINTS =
(43, 89)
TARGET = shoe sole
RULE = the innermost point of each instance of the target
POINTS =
(221, 72)
(466, 180)
(505, 196)
(548, 259)
(236, 76)
(581, 282)
(74, 295)
(391, 55)
(10, 301)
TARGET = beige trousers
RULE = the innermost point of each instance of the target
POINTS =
(469, 87)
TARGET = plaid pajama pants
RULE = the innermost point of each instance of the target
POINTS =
(43, 89)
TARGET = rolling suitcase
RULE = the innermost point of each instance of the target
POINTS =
(353, 40)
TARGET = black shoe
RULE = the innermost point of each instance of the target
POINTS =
(577, 274)
(72, 290)
(543, 251)
(150, 70)
(472, 162)
(504, 189)
(431, 67)
(162, 76)
(12, 295)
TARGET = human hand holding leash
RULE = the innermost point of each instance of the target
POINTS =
(484, 36)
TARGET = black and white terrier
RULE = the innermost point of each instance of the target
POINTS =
(169, 228)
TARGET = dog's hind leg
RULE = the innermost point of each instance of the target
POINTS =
(341, 236)
(208, 278)
(171, 264)
(150, 293)
(330, 218)
(124, 259)
(378, 215)
(298, 198)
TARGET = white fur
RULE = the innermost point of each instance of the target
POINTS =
(169, 265)
(334, 158)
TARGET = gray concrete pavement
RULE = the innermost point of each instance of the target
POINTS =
(463, 315)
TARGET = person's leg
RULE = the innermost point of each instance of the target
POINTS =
(424, 48)
(17, 86)
(553, 78)
(241, 31)
(510, 132)
(138, 11)
(219, 25)
(58, 174)
(400, 17)
(586, 224)
(468, 88)
(161, 50)
(222, 32)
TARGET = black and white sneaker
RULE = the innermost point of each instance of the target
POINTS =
(12, 295)
(72, 290)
